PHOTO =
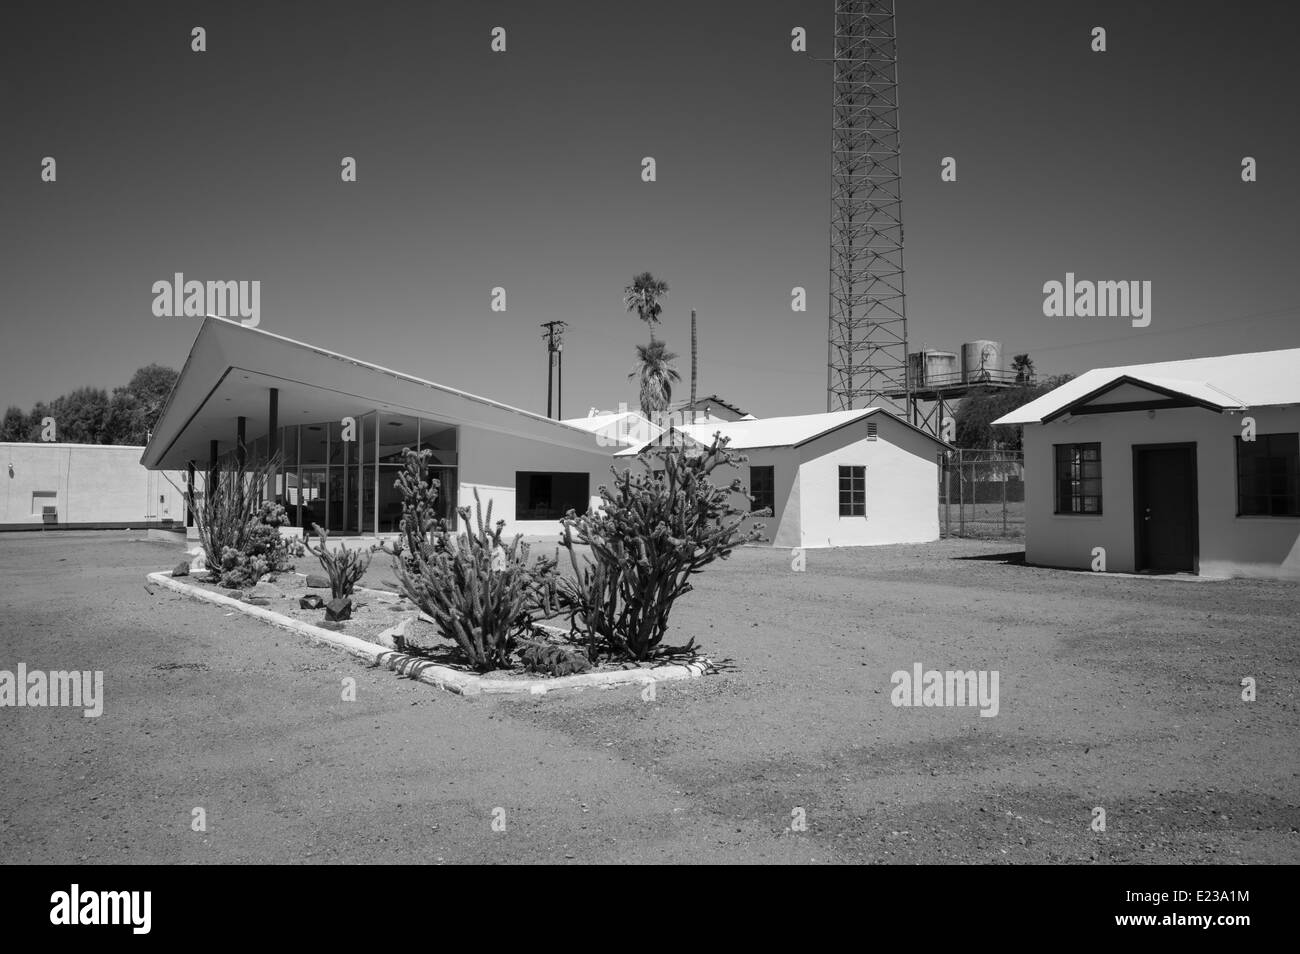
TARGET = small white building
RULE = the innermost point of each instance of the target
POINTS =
(52, 486)
(845, 478)
(1182, 466)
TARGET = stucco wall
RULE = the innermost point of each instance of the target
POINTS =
(902, 474)
(489, 461)
(1229, 545)
(93, 484)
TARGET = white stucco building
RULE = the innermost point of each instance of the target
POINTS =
(845, 478)
(52, 486)
(341, 425)
(1182, 466)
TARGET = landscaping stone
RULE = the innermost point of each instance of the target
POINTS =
(328, 624)
(395, 636)
(235, 594)
(311, 601)
(267, 590)
(182, 569)
(336, 611)
(316, 581)
(257, 601)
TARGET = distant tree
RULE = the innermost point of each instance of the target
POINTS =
(14, 426)
(89, 415)
(135, 408)
(642, 297)
(656, 375)
(81, 416)
(1023, 365)
(977, 412)
(34, 426)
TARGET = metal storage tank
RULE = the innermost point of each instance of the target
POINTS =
(927, 368)
(981, 360)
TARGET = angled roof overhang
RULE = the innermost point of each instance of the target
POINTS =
(231, 369)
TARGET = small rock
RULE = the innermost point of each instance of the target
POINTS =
(395, 636)
(328, 624)
(336, 611)
(266, 590)
(235, 594)
(316, 581)
(311, 601)
(257, 601)
(182, 569)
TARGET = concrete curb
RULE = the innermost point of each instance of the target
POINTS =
(452, 680)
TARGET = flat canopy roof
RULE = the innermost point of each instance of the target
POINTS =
(231, 369)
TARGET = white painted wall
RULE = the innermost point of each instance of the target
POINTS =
(902, 479)
(490, 459)
(1229, 545)
(93, 484)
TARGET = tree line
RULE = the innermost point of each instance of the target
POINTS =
(91, 415)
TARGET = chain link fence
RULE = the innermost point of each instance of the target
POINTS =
(982, 494)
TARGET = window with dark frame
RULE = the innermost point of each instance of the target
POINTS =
(853, 490)
(1078, 478)
(762, 487)
(1268, 476)
(541, 495)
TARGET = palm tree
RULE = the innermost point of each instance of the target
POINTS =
(642, 296)
(656, 375)
(1023, 365)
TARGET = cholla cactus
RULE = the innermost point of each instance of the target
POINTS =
(420, 522)
(482, 592)
(650, 535)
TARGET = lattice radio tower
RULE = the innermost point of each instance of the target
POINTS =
(867, 342)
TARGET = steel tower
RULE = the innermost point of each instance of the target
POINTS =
(867, 341)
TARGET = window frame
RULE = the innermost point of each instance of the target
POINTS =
(1294, 461)
(769, 494)
(1080, 479)
(857, 491)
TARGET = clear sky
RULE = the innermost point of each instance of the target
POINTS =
(522, 170)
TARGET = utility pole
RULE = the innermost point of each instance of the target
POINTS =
(554, 337)
(694, 361)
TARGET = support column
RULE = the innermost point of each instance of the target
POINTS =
(241, 452)
(273, 443)
(189, 495)
(211, 487)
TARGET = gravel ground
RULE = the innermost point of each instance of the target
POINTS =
(1120, 693)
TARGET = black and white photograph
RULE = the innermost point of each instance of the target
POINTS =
(787, 432)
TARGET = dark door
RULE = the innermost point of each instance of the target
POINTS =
(1164, 495)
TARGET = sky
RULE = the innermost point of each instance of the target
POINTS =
(522, 170)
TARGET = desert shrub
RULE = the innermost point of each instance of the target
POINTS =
(229, 509)
(344, 567)
(481, 592)
(550, 659)
(652, 532)
(240, 533)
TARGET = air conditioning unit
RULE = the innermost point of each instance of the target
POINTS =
(50, 514)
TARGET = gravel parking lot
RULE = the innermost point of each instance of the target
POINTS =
(1114, 693)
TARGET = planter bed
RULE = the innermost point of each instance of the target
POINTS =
(427, 656)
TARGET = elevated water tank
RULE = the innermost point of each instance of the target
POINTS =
(981, 361)
(929, 369)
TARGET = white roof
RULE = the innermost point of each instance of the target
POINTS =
(1228, 382)
(776, 431)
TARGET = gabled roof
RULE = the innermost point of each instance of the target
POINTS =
(793, 431)
(1227, 382)
(709, 399)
